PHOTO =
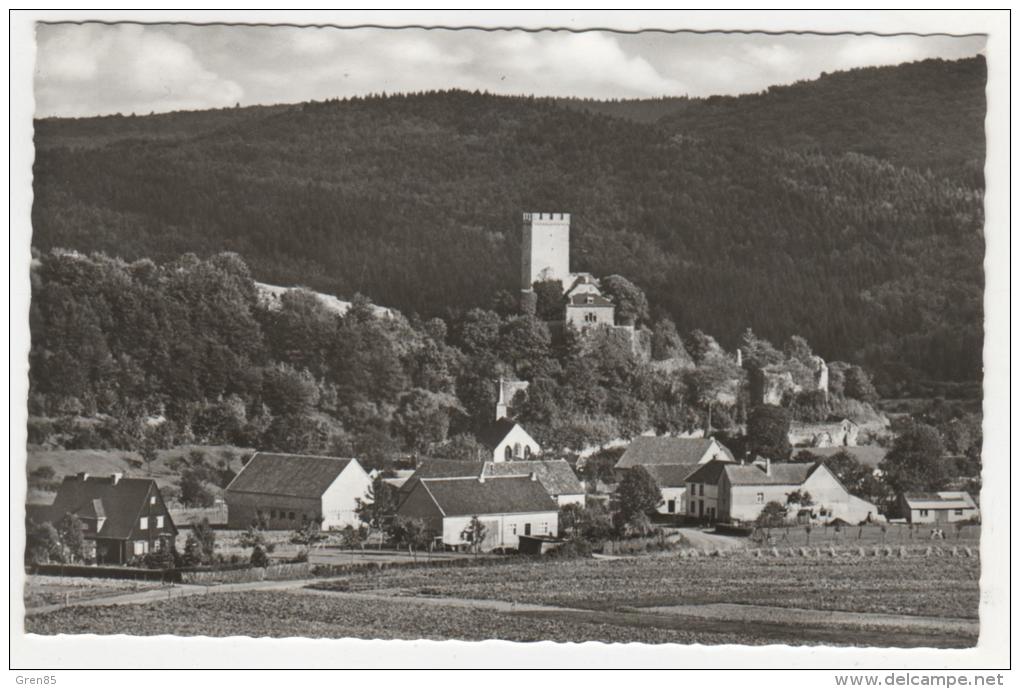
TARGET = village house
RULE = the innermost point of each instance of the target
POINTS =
(941, 507)
(670, 460)
(505, 440)
(728, 492)
(588, 310)
(123, 518)
(286, 491)
(507, 506)
(837, 433)
(555, 475)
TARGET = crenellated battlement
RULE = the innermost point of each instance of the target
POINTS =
(546, 217)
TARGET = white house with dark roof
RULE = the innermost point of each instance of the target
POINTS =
(288, 490)
(670, 460)
(507, 506)
(506, 440)
(941, 507)
(555, 475)
(725, 491)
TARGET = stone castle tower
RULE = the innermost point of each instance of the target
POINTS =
(545, 247)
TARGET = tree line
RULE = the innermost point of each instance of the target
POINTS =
(415, 200)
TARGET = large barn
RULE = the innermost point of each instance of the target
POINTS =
(507, 506)
(286, 491)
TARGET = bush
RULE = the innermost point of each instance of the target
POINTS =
(573, 548)
(259, 557)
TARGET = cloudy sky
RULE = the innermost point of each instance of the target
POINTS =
(99, 69)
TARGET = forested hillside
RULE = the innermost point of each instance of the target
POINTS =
(926, 115)
(415, 200)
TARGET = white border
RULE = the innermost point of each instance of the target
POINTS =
(172, 652)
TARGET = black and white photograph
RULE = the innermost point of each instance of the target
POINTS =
(678, 331)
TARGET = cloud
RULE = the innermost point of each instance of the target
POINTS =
(128, 68)
(90, 69)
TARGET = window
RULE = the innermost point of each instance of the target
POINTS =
(143, 523)
(589, 299)
(691, 505)
(924, 513)
(517, 450)
(290, 515)
(527, 452)
(527, 529)
(513, 529)
(760, 498)
(272, 514)
(959, 513)
(701, 489)
(159, 521)
(141, 547)
(671, 506)
(590, 317)
(508, 453)
(152, 500)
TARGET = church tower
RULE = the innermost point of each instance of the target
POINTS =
(545, 249)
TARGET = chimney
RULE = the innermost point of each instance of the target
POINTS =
(83, 476)
(116, 477)
(533, 476)
(768, 466)
(481, 478)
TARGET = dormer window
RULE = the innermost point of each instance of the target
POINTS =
(589, 299)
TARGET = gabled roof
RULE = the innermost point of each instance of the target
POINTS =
(555, 475)
(441, 468)
(784, 474)
(780, 474)
(458, 497)
(709, 472)
(119, 502)
(492, 435)
(671, 475)
(301, 476)
(646, 449)
(942, 500)
(583, 299)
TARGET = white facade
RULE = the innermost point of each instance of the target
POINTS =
(545, 248)
(502, 530)
(828, 494)
(340, 499)
(674, 500)
(517, 444)
(703, 500)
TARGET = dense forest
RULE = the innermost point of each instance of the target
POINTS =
(848, 210)
(141, 354)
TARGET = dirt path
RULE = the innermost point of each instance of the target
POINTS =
(701, 540)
